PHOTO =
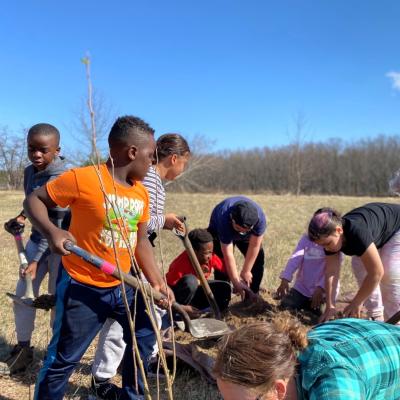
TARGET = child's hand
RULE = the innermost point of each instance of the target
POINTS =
(173, 222)
(283, 289)
(169, 296)
(30, 269)
(242, 289)
(317, 298)
(328, 315)
(56, 241)
(353, 310)
(15, 225)
(193, 312)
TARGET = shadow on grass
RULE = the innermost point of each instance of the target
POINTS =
(28, 378)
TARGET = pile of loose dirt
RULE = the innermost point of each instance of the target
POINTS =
(201, 354)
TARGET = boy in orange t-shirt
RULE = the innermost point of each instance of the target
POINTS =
(86, 297)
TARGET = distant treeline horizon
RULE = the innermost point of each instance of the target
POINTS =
(333, 167)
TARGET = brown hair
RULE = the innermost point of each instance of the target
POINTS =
(171, 143)
(258, 354)
(323, 223)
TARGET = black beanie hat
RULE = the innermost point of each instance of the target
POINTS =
(244, 214)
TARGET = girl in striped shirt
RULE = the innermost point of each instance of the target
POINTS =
(171, 158)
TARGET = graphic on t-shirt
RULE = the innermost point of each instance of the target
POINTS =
(313, 253)
(122, 220)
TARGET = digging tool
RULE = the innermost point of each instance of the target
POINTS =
(197, 267)
(28, 298)
(44, 301)
(200, 328)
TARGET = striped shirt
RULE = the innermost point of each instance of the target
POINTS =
(350, 359)
(153, 184)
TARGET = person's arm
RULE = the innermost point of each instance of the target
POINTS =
(173, 222)
(332, 273)
(291, 267)
(145, 258)
(374, 267)
(32, 267)
(250, 257)
(36, 206)
(231, 269)
(338, 384)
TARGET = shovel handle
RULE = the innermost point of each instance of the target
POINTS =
(199, 272)
(111, 269)
(23, 265)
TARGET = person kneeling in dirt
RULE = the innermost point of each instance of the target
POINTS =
(181, 276)
(43, 143)
(346, 359)
(307, 293)
(239, 221)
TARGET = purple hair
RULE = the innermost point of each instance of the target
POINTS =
(323, 223)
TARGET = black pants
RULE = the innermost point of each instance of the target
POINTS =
(295, 301)
(188, 291)
(258, 266)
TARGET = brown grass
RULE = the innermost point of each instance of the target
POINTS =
(287, 219)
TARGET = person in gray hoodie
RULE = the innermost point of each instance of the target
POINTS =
(43, 143)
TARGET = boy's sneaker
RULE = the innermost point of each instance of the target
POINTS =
(18, 361)
(105, 390)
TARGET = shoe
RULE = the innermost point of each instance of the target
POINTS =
(105, 390)
(153, 368)
(18, 361)
(379, 318)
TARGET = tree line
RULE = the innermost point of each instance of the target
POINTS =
(334, 167)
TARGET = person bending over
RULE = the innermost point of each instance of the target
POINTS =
(346, 359)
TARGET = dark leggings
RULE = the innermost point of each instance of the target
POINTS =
(295, 301)
(188, 291)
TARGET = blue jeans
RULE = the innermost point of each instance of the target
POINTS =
(81, 311)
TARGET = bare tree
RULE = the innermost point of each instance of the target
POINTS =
(297, 145)
(201, 163)
(12, 157)
(94, 111)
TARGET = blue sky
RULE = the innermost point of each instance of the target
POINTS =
(236, 72)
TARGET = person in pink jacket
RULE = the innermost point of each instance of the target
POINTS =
(307, 293)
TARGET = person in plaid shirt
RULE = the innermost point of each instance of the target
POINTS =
(347, 359)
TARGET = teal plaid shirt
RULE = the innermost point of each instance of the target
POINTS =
(350, 359)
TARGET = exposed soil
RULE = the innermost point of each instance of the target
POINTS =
(201, 354)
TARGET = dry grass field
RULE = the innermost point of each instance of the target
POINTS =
(287, 219)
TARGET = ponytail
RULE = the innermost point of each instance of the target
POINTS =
(169, 144)
(258, 354)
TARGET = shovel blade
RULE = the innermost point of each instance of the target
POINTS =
(25, 302)
(205, 328)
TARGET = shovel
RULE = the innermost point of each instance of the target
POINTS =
(28, 297)
(196, 265)
(44, 301)
(200, 328)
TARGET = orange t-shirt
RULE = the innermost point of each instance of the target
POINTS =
(80, 190)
